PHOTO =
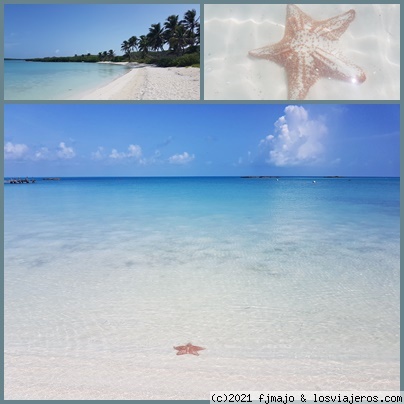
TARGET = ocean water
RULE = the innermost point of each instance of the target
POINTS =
(372, 42)
(55, 81)
(288, 284)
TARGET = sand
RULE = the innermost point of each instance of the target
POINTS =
(162, 375)
(145, 82)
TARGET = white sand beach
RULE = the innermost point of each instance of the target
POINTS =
(146, 82)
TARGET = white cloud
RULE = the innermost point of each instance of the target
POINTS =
(134, 151)
(14, 151)
(42, 154)
(183, 158)
(115, 155)
(98, 154)
(297, 140)
(154, 159)
(65, 152)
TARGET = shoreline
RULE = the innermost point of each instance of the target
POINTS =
(148, 82)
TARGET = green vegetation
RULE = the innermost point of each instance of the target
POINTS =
(76, 58)
(181, 36)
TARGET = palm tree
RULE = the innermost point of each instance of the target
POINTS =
(198, 34)
(143, 45)
(125, 48)
(104, 55)
(111, 55)
(189, 21)
(156, 37)
(180, 40)
(169, 27)
(133, 41)
(100, 56)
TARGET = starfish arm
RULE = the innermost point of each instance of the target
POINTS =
(197, 348)
(180, 348)
(334, 27)
(301, 76)
(295, 19)
(181, 352)
(274, 52)
(336, 66)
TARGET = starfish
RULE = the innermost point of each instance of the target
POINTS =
(308, 51)
(188, 349)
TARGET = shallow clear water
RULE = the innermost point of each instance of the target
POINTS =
(253, 270)
(55, 81)
(372, 42)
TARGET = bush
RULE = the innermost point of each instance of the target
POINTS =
(166, 62)
(188, 60)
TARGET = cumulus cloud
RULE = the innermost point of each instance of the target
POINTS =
(134, 151)
(98, 154)
(297, 139)
(183, 158)
(65, 152)
(116, 155)
(42, 154)
(154, 159)
(15, 151)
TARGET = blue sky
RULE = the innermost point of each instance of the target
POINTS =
(39, 30)
(197, 140)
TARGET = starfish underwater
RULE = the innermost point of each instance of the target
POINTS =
(308, 51)
(188, 349)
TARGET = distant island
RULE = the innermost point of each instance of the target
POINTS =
(272, 176)
(181, 36)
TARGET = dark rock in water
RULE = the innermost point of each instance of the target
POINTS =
(20, 181)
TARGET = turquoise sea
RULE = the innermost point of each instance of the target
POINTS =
(288, 284)
(55, 81)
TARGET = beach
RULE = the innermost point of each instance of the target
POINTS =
(146, 82)
(99, 81)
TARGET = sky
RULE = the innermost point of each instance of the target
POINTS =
(201, 140)
(40, 30)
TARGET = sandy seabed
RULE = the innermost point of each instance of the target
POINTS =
(145, 82)
(171, 377)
